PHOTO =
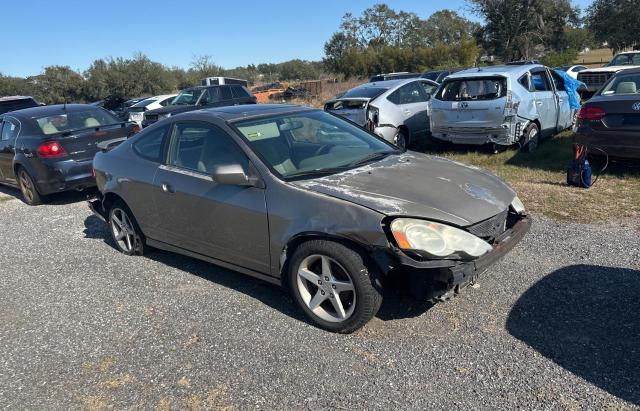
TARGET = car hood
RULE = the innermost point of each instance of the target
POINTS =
(608, 69)
(418, 185)
(173, 109)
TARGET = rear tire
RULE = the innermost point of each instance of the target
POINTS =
(124, 229)
(30, 193)
(333, 285)
(532, 138)
(401, 139)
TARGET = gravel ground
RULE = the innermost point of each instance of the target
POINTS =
(554, 325)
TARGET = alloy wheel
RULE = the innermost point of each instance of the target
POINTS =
(400, 140)
(326, 288)
(123, 230)
(26, 186)
(532, 143)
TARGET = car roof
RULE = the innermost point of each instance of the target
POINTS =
(13, 98)
(246, 111)
(635, 70)
(389, 83)
(52, 110)
(516, 69)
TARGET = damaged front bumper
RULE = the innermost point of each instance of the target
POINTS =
(439, 279)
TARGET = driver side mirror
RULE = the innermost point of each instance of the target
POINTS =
(231, 174)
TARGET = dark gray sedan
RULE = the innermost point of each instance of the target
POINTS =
(299, 197)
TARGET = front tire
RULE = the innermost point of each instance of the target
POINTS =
(28, 188)
(124, 229)
(333, 285)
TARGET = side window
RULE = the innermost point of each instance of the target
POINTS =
(200, 147)
(524, 81)
(410, 93)
(558, 81)
(226, 93)
(239, 92)
(428, 88)
(166, 101)
(540, 81)
(9, 130)
(150, 145)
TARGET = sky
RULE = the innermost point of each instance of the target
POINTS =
(234, 33)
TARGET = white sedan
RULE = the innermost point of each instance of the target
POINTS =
(572, 70)
(136, 112)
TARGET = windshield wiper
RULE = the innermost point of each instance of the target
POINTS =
(372, 157)
(318, 172)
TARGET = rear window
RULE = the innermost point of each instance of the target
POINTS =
(364, 92)
(619, 85)
(11, 105)
(239, 92)
(144, 103)
(75, 120)
(469, 89)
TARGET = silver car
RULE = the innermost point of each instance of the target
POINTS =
(502, 105)
(305, 199)
(396, 110)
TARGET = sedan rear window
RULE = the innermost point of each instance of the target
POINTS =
(622, 85)
(17, 104)
(468, 89)
(75, 120)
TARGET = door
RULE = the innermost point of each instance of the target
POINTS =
(8, 134)
(194, 212)
(412, 103)
(565, 112)
(546, 101)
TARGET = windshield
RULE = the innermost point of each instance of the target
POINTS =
(75, 120)
(469, 89)
(626, 60)
(188, 96)
(364, 92)
(312, 143)
(629, 84)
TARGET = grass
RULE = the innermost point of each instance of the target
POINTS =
(595, 57)
(540, 180)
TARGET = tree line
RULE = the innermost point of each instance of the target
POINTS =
(379, 40)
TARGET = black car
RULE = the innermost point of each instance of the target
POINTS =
(393, 76)
(44, 150)
(439, 75)
(610, 120)
(201, 97)
(12, 103)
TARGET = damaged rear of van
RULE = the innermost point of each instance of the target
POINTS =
(501, 105)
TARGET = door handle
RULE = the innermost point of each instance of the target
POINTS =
(167, 188)
(539, 103)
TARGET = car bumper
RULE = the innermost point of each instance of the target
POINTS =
(505, 135)
(441, 278)
(619, 144)
(65, 176)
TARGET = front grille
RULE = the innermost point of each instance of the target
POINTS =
(491, 228)
(594, 79)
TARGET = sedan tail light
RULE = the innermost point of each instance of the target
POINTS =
(511, 105)
(136, 129)
(372, 118)
(591, 113)
(51, 149)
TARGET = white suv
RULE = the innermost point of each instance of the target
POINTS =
(136, 112)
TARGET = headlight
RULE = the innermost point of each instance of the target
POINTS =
(437, 240)
(163, 115)
(517, 205)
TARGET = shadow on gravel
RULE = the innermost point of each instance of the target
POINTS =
(64, 198)
(586, 319)
(396, 304)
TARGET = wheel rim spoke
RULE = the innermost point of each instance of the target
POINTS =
(337, 305)
(129, 243)
(317, 300)
(326, 268)
(341, 286)
(309, 275)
